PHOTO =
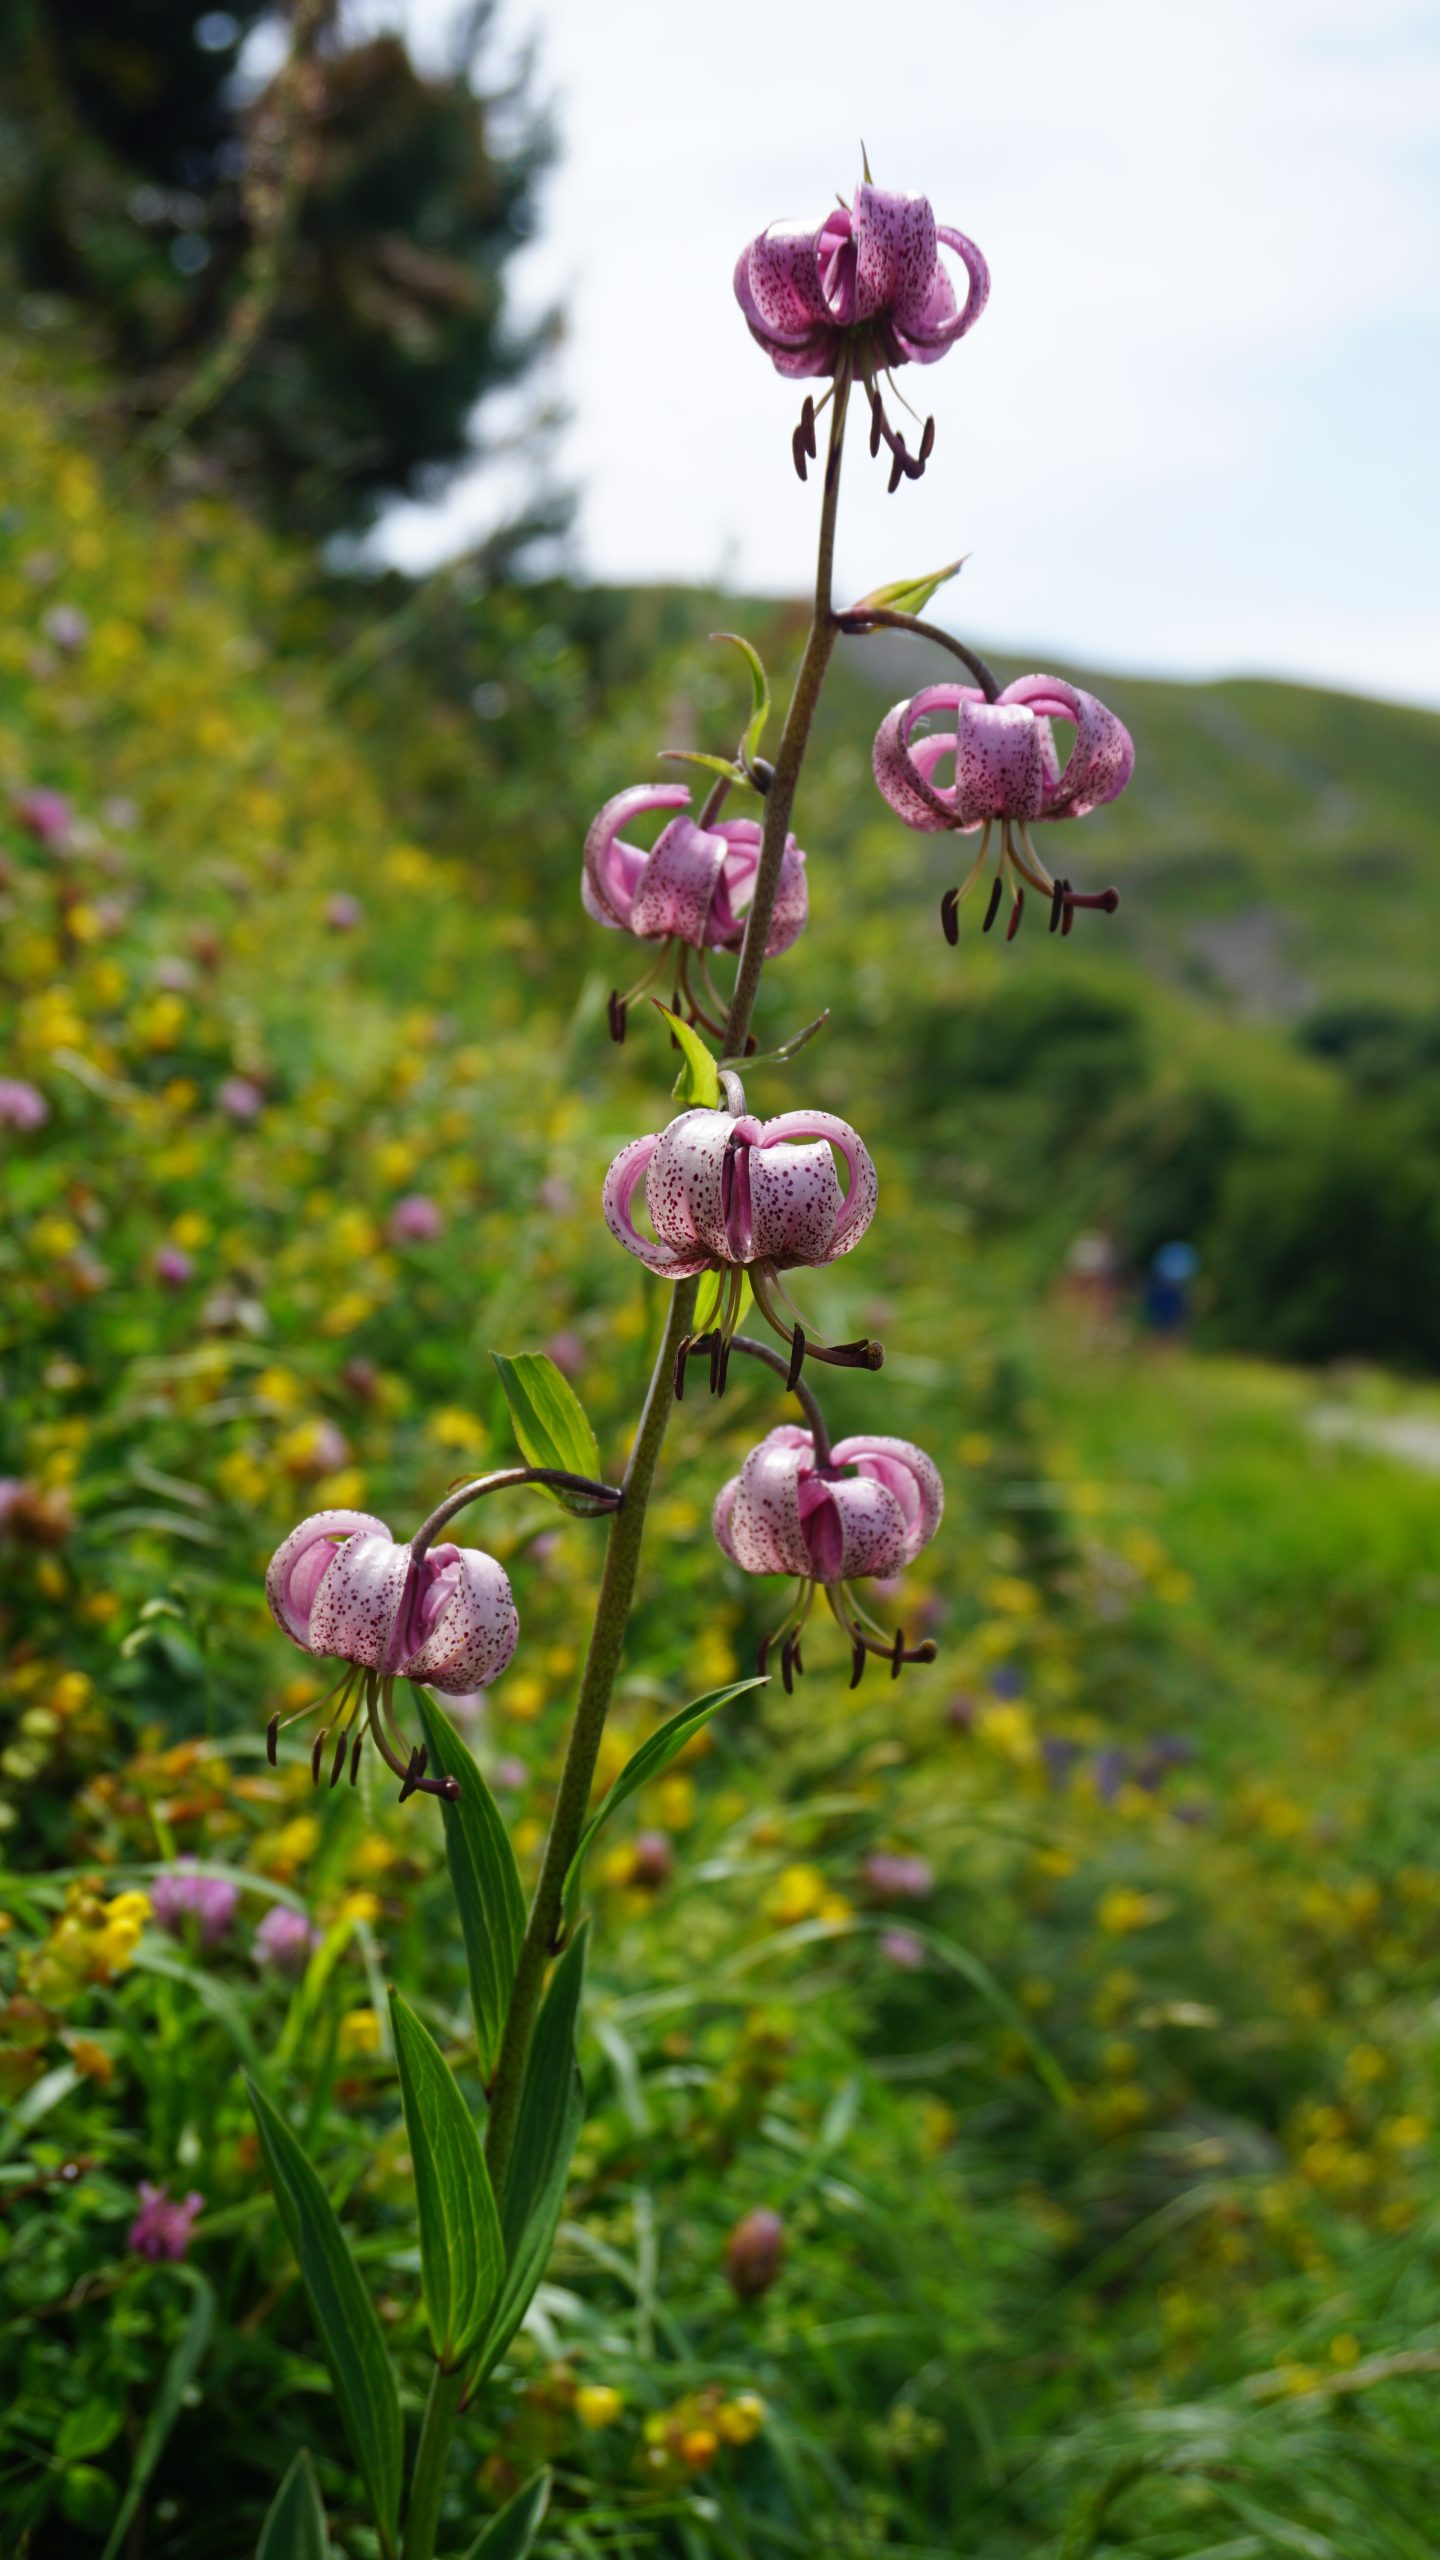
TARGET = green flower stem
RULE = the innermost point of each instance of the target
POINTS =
(780, 798)
(427, 2480)
(627, 1527)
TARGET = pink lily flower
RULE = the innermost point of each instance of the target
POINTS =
(690, 892)
(731, 1194)
(870, 1510)
(341, 1585)
(999, 761)
(865, 291)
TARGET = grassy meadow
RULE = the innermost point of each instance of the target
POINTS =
(1103, 2123)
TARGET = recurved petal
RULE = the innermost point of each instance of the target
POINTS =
(999, 762)
(872, 1527)
(895, 254)
(301, 1562)
(929, 334)
(613, 869)
(790, 1132)
(359, 1609)
(677, 885)
(764, 1526)
(783, 274)
(736, 888)
(1102, 758)
(795, 1203)
(792, 901)
(464, 1626)
(912, 1478)
(621, 1184)
(684, 1190)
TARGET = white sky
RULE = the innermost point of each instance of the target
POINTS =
(1195, 429)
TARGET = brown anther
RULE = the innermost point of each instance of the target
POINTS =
(272, 1736)
(717, 1347)
(319, 1745)
(1057, 903)
(897, 1653)
(787, 1666)
(992, 911)
(797, 1657)
(897, 471)
(724, 1366)
(355, 1750)
(341, 1747)
(617, 1016)
(1016, 913)
(797, 451)
(877, 416)
(797, 1356)
(807, 426)
(857, 1663)
(927, 444)
(1069, 924)
(950, 916)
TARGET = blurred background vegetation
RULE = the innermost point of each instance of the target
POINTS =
(1072, 2001)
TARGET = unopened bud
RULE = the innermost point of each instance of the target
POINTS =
(755, 2252)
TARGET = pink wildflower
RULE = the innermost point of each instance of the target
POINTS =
(161, 2228)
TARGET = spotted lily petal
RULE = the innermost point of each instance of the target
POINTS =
(677, 887)
(360, 1609)
(613, 870)
(737, 887)
(895, 255)
(302, 1562)
(1102, 758)
(621, 1184)
(929, 334)
(762, 1530)
(778, 1177)
(912, 1478)
(870, 1513)
(463, 1626)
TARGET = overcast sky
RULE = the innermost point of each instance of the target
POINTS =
(1196, 428)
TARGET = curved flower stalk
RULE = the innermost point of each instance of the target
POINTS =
(1003, 764)
(866, 1506)
(690, 893)
(865, 291)
(731, 1194)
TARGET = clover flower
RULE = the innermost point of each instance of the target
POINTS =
(180, 1899)
(173, 1266)
(22, 1106)
(46, 815)
(734, 1195)
(1002, 764)
(285, 1940)
(415, 1220)
(865, 291)
(867, 1507)
(690, 893)
(161, 2228)
(341, 1585)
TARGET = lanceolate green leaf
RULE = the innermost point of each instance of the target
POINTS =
(760, 690)
(462, 2257)
(483, 1874)
(549, 1420)
(698, 1082)
(552, 2110)
(349, 2331)
(295, 2528)
(909, 595)
(652, 1757)
(509, 2535)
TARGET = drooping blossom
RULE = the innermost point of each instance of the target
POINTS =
(415, 1220)
(862, 292)
(240, 1098)
(285, 1940)
(161, 2228)
(22, 1105)
(173, 1266)
(867, 1508)
(755, 2252)
(999, 761)
(341, 1585)
(690, 893)
(728, 1193)
(46, 815)
(181, 1900)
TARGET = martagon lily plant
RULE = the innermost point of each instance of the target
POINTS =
(716, 1203)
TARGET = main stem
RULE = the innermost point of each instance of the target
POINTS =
(427, 2480)
(627, 1528)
